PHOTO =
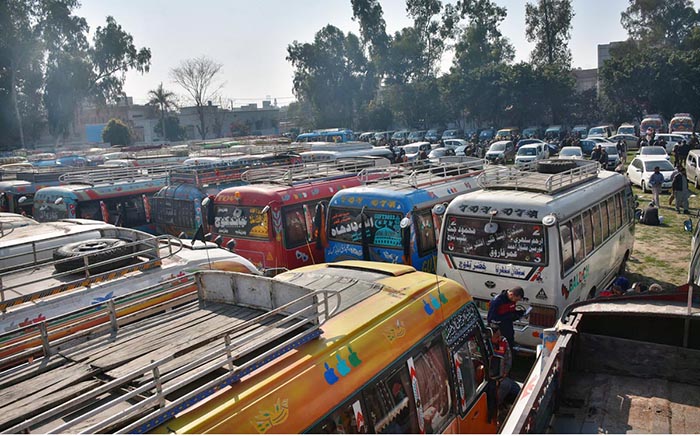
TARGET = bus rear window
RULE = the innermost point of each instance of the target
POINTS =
(241, 221)
(382, 227)
(515, 242)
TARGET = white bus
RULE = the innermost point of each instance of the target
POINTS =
(562, 237)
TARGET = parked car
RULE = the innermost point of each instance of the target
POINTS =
(463, 150)
(382, 138)
(366, 136)
(416, 136)
(507, 133)
(454, 143)
(531, 153)
(642, 167)
(630, 140)
(453, 134)
(581, 131)
(435, 155)
(486, 134)
(571, 153)
(501, 152)
(628, 129)
(605, 131)
(526, 142)
(598, 139)
(400, 137)
(433, 136)
(415, 148)
(532, 132)
(555, 133)
(613, 156)
(653, 150)
(587, 146)
(692, 167)
(671, 140)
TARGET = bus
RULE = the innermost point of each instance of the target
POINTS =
(17, 196)
(653, 121)
(353, 347)
(125, 201)
(681, 123)
(177, 207)
(562, 231)
(276, 220)
(391, 220)
(327, 135)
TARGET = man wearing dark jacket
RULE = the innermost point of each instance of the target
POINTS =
(503, 311)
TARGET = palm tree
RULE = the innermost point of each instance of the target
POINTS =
(164, 100)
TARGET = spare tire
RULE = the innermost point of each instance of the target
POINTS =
(555, 166)
(96, 250)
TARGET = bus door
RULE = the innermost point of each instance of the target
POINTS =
(300, 245)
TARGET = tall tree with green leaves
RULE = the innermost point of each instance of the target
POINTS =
(370, 17)
(332, 75)
(548, 24)
(660, 22)
(199, 77)
(164, 100)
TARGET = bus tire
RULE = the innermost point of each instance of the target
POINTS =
(554, 167)
(97, 250)
(623, 265)
(591, 294)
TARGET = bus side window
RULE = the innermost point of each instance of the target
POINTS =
(344, 419)
(390, 403)
(620, 206)
(567, 252)
(434, 386)
(468, 359)
(295, 233)
(605, 221)
(597, 225)
(577, 238)
(425, 231)
(614, 212)
(588, 231)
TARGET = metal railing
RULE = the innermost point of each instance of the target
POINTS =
(423, 174)
(117, 174)
(528, 178)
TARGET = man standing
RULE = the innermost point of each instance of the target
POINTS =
(503, 311)
(596, 153)
(656, 182)
(508, 389)
(680, 190)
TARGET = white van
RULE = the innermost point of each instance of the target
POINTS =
(562, 237)
(530, 153)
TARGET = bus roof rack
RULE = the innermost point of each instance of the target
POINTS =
(311, 171)
(548, 176)
(418, 175)
(116, 174)
(126, 392)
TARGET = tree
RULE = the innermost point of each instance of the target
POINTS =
(199, 78)
(164, 101)
(173, 131)
(369, 15)
(660, 22)
(116, 132)
(548, 24)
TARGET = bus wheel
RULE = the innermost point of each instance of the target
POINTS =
(96, 250)
(591, 294)
(623, 265)
(554, 167)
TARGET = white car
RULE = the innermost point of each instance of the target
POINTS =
(414, 149)
(671, 140)
(530, 153)
(571, 153)
(454, 143)
(598, 139)
(641, 168)
(654, 151)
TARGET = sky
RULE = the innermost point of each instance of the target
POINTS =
(250, 37)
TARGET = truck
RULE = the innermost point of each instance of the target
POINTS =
(626, 364)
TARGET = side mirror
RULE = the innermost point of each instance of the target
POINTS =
(208, 203)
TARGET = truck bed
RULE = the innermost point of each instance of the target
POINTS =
(607, 403)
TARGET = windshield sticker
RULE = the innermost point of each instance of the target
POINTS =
(507, 211)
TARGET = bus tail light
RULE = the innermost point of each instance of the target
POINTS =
(543, 316)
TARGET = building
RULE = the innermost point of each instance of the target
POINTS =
(604, 51)
(219, 122)
(585, 79)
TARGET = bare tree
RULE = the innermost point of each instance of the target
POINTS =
(199, 78)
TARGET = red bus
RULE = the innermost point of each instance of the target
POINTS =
(277, 224)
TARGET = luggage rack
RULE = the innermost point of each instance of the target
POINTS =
(408, 175)
(111, 175)
(308, 172)
(527, 177)
(146, 395)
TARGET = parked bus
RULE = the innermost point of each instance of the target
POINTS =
(561, 237)
(391, 220)
(177, 207)
(655, 122)
(124, 201)
(681, 123)
(17, 196)
(276, 221)
(354, 347)
(327, 135)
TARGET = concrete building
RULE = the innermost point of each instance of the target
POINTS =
(585, 79)
(221, 122)
(604, 51)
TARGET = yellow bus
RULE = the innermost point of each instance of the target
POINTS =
(407, 353)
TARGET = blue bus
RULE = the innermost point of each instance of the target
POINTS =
(327, 135)
(391, 220)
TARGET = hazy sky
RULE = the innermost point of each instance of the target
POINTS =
(250, 38)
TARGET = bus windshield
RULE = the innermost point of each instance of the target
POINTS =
(382, 228)
(241, 221)
(517, 242)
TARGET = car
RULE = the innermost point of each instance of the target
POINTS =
(605, 131)
(642, 167)
(435, 155)
(613, 156)
(463, 150)
(400, 137)
(414, 149)
(628, 129)
(653, 151)
(526, 142)
(416, 136)
(692, 167)
(507, 133)
(532, 132)
(631, 141)
(581, 131)
(454, 143)
(366, 136)
(598, 139)
(433, 136)
(571, 153)
(453, 134)
(382, 138)
(501, 152)
(671, 140)
(587, 146)
(530, 153)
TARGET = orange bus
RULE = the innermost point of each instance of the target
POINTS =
(277, 220)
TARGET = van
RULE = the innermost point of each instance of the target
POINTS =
(692, 167)
(529, 153)
(605, 131)
(507, 133)
(628, 129)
